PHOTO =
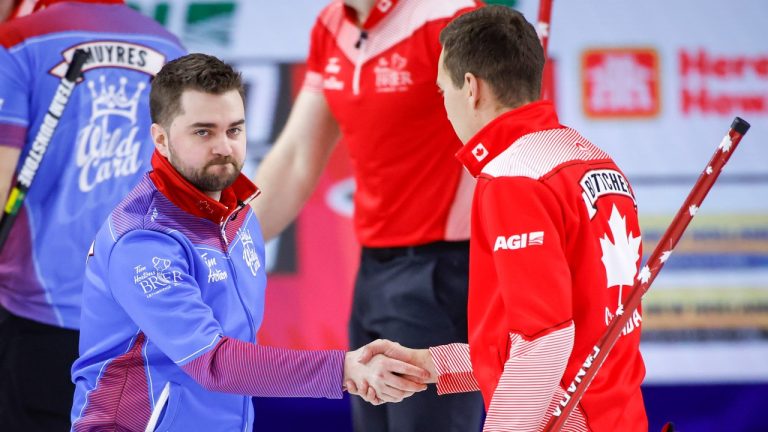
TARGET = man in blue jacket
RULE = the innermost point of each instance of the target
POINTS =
(174, 290)
(98, 152)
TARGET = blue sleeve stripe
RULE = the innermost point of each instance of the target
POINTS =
(109, 226)
(213, 342)
(14, 120)
(148, 371)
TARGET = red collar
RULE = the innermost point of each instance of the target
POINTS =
(190, 199)
(45, 3)
(380, 10)
(504, 130)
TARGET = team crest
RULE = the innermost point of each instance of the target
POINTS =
(250, 256)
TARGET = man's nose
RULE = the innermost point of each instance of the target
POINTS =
(223, 145)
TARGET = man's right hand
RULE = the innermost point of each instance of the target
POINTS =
(417, 357)
(376, 377)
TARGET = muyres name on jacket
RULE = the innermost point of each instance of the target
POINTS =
(113, 54)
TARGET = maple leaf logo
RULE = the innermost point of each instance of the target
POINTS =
(725, 144)
(479, 152)
(621, 255)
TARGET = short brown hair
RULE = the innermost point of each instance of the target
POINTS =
(200, 72)
(497, 45)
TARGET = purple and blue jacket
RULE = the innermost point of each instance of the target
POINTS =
(174, 297)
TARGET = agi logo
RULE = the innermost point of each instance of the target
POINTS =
(620, 82)
(519, 241)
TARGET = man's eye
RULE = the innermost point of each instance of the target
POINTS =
(235, 131)
(201, 132)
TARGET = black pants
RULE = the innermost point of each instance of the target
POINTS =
(416, 296)
(35, 385)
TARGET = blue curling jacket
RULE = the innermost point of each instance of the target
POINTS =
(172, 302)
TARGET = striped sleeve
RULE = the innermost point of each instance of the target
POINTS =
(234, 366)
(150, 287)
(454, 369)
(530, 381)
(14, 101)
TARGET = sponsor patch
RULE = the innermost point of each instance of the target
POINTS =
(519, 241)
(158, 279)
(215, 274)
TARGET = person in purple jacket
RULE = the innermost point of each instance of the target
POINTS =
(174, 290)
(98, 152)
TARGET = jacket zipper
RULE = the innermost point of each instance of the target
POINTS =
(246, 399)
(360, 45)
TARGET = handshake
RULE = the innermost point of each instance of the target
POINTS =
(385, 371)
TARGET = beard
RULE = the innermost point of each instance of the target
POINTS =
(204, 180)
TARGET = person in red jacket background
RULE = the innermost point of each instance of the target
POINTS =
(554, 246)
(369, 85)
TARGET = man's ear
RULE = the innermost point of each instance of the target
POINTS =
(160, 138)
(473, 89)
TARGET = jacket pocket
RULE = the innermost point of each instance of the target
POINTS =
(168, 409)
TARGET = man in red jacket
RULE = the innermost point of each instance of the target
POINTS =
(370, 85)
(554, 247)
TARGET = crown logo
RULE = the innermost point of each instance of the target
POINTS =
(114, 101)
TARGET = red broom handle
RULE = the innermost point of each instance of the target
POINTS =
(545, 17)
(647, 274)
(542, 28)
